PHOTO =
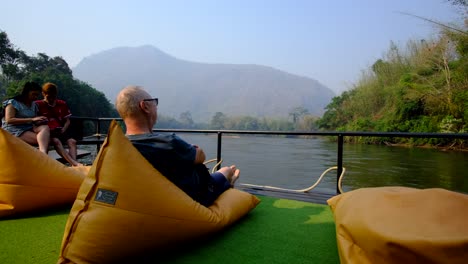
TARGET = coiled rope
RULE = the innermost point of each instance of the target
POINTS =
(267, 187)
(215, 166)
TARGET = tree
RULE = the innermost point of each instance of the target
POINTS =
(16, 67)
(297, 112)
(459, 3)
(9, 58)
(308, 123)
(186, 119)
(218, 120)
(8, 53)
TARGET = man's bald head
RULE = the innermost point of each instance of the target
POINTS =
(128, 101)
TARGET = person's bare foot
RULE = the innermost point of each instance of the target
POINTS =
(77, 164)
(235, 175)
(231, 173)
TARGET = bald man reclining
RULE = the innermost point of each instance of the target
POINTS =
(179, 161)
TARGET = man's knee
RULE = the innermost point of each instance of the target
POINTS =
(56, 141)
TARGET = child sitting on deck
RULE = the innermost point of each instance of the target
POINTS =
(58, 115)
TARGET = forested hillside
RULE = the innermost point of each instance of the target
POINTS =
(422, 87)
(17, 68)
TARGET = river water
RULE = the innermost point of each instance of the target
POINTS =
(296, 163)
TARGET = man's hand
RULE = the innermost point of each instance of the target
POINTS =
(199, 155)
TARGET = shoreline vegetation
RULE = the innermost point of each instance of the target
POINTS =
(428, 146)
(420, 88)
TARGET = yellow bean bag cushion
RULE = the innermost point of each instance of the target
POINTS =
(31, 181)
(125, 208)
(401, 225)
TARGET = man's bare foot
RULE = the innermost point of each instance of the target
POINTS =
(235, 176)
(77, 164)
(231, 173)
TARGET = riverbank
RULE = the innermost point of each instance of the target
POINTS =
(429, 146)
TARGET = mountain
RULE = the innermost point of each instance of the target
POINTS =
(202, 88)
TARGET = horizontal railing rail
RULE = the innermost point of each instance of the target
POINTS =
(98, 138)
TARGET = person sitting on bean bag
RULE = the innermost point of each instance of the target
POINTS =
(179, 161)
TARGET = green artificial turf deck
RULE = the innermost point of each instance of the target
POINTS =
(33, 239)
(277, 231)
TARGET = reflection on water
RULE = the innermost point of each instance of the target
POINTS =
(297, 163)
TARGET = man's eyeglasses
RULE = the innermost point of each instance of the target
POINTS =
(152, 99)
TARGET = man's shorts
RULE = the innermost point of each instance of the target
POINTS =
(62, 137)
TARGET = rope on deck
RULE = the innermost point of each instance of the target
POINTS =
(306, 189)
(267, 187)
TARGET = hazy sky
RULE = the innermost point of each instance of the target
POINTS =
(330, 41)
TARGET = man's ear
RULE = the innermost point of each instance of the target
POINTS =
(144, 107)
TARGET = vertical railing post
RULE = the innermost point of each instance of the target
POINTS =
(98, 128)
(218, 153)
(340, 161)
(98, 134)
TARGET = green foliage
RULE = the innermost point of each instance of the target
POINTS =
(297, 113)
(186, 120)
(459, 3)
(451, 125)
(218, 121)
(423, 88)
(334, 116)
(9, 58)
(308, 123)
(221, 121)
(17, 68)
(168, 122)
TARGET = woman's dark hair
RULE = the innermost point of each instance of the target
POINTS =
(28, 87)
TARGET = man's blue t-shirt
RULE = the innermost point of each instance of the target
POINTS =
(174, 158)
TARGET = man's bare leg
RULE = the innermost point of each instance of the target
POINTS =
(72, 149)
(63, 153)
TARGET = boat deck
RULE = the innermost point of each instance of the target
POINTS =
(81, 154)
(316, 197)
(276, 231)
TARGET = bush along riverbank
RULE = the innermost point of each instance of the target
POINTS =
(431, 143)
(421, 88)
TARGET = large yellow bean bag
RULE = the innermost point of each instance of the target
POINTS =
(31, 181)
(401, 225)
(125, 208)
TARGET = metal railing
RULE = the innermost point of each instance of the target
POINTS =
(99, 137)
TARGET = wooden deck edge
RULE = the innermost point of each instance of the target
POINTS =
(81, 154)
(311, 197)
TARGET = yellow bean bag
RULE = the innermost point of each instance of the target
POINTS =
(31, 181)
(401, 225)
(125, 208)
